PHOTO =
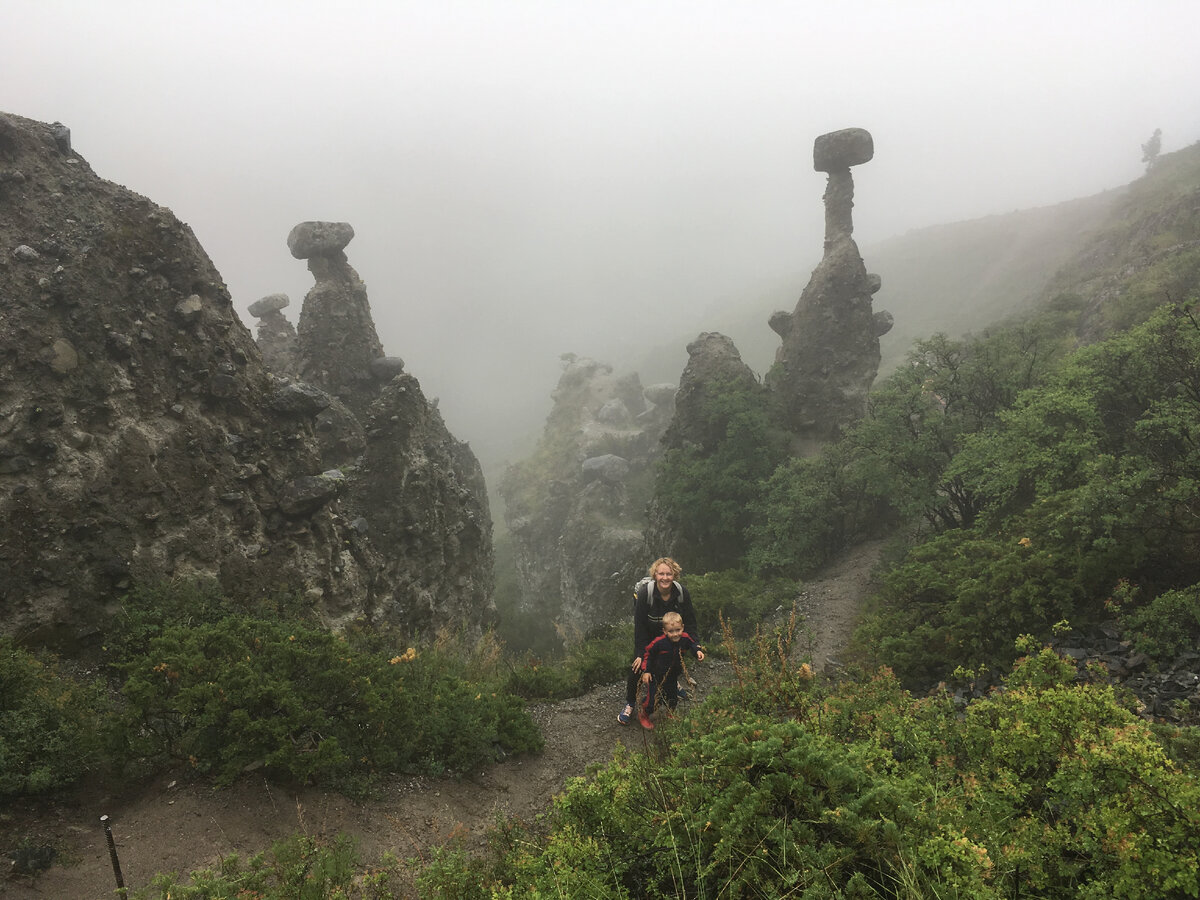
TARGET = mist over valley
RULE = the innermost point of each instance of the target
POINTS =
(531, 180)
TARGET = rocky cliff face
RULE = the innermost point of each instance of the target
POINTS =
(576, 507)
(142, 438)
(830, 352)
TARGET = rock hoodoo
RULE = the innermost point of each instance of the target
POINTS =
(276, 338)
(336, 338)
(142, 438)
(830, 352)
(416, 492)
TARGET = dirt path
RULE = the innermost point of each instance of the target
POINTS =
(832, 602)
(170, 826)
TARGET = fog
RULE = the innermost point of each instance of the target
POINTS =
(530, 178)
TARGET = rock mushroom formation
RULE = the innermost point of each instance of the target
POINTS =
(336, 337)
(276, 337)
(829, 356)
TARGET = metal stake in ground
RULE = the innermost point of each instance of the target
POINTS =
(112, 852)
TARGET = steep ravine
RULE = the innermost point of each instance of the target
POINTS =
(169, 825)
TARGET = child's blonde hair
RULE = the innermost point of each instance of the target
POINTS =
(671, 617)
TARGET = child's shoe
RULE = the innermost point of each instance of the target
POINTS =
(624, 715)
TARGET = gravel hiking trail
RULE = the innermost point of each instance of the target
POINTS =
(170, 824)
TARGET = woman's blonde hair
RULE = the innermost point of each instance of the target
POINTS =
(676, 568)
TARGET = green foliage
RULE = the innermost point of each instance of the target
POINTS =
(1082, 794)
(739, 599)
(1166, 626)
(149, 609)
(1170, 276)
(227, 688)
(1046, 788)
(768, 679)
(811, 509)
(705, 489)
(601, 658)
(297, 868)
(922, 415)
(961, 597)
(1117, 424)
(52, 726)
(1088, 481)
(244, 692)
(895, 465)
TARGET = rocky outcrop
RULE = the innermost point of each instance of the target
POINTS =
(421, 493)
(336, 338)
(714, 370)
(1101, 654)
(714, 366)
(576, 507)
(415, 494)
(830, 352)
(276, 337)
(142, 438)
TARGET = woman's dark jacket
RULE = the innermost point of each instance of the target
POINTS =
(648, 609)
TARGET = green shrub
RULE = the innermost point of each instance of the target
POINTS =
(599, 659)
(534, 678)
(962, 597)
(1090, 480)
(52, 726)
(245, 692)
(745, 602)
(811, 509)
(297, 868)
(1047, 788)
(1073, 792)
(770, 676)
(149, 609)
(1166, 626)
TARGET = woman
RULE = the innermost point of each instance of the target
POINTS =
(650, 600)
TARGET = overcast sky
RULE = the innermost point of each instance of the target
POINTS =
(529, 178)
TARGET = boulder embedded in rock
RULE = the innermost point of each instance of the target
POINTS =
(311, 239)
(609, 467)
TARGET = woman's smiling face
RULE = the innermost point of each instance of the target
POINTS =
(663, 577)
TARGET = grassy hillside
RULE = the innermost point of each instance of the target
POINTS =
(1146, 252)
(961, 277)
(1123, 251)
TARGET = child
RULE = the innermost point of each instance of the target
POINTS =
(661, 664)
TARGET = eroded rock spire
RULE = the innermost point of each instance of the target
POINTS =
(830, 352)
(276, 336)
(336, 337)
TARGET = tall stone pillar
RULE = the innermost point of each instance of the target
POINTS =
(830, 352)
